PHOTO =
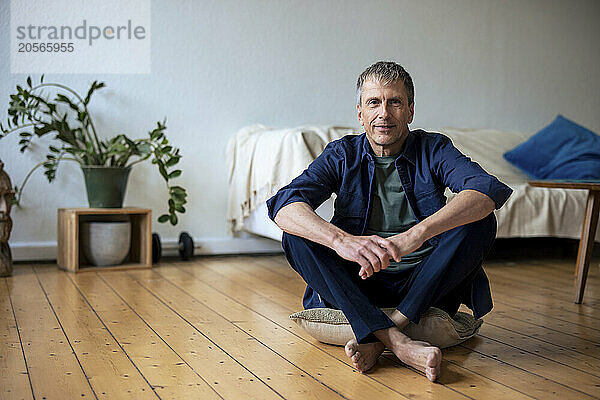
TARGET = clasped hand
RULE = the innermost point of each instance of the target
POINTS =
(374, 253)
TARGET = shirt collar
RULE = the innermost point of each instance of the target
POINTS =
(409, 153)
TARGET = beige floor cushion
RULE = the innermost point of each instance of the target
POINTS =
(436, 326)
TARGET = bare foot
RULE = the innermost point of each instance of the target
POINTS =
(363, 356)
(419, 355)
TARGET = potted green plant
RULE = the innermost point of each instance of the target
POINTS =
(34, 113)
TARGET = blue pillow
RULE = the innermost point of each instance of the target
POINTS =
(562, 150)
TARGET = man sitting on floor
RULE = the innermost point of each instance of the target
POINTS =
(393, 241)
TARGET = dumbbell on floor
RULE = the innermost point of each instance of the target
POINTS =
(185, 243)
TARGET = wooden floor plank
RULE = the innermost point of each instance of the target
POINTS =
(559, 267)
(547, 275)
(521, 310)
(559, 373)
(584, 363)
(287, 380)
(53, 367)
(551, 267)
(330, 370)
(541, 293)
(226, 376)
(551, 336)
(252, 274)
(14, 378)
(554, 309)
(536, 386)
(167, 373)
(109, 369)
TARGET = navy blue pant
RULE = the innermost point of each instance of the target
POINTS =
(451, 275)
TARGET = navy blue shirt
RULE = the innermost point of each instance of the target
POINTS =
(428, 164)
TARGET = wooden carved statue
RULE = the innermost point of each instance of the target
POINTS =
(6, 196)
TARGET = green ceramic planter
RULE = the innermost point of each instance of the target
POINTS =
(105, 185)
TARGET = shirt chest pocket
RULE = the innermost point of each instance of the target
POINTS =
(349, 204)
(348, 213)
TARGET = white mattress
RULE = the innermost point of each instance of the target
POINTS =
(529, 212)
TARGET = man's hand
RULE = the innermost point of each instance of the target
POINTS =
(368, 251)
(374, 253)
(395, 247)
(403, 243)
(301, 220)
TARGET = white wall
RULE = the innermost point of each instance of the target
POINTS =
(221, 65)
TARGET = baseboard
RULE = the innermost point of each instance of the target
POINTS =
(537, 247)
(33, 251)
(216, 246)
(47, 251)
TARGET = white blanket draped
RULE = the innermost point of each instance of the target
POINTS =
(261, 160)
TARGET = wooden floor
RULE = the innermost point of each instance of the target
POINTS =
(218, 328)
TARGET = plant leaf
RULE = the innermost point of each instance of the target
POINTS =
(175, 174)
(172, 161)
(162, 170)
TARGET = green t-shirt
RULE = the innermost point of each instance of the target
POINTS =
(391, 213)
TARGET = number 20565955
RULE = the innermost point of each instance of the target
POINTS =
(45, 47)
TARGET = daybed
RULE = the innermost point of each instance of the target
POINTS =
(261, 160)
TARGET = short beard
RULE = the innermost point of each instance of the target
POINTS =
(5, 227)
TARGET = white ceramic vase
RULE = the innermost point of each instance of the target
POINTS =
(105, 243)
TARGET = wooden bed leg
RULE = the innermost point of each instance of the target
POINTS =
(586, 244)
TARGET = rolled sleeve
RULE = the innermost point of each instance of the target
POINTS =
(314, 185)
(459, 172)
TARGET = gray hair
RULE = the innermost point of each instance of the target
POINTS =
(386, 72)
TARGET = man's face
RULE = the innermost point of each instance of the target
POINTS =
(384, 112)
(5, 220)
